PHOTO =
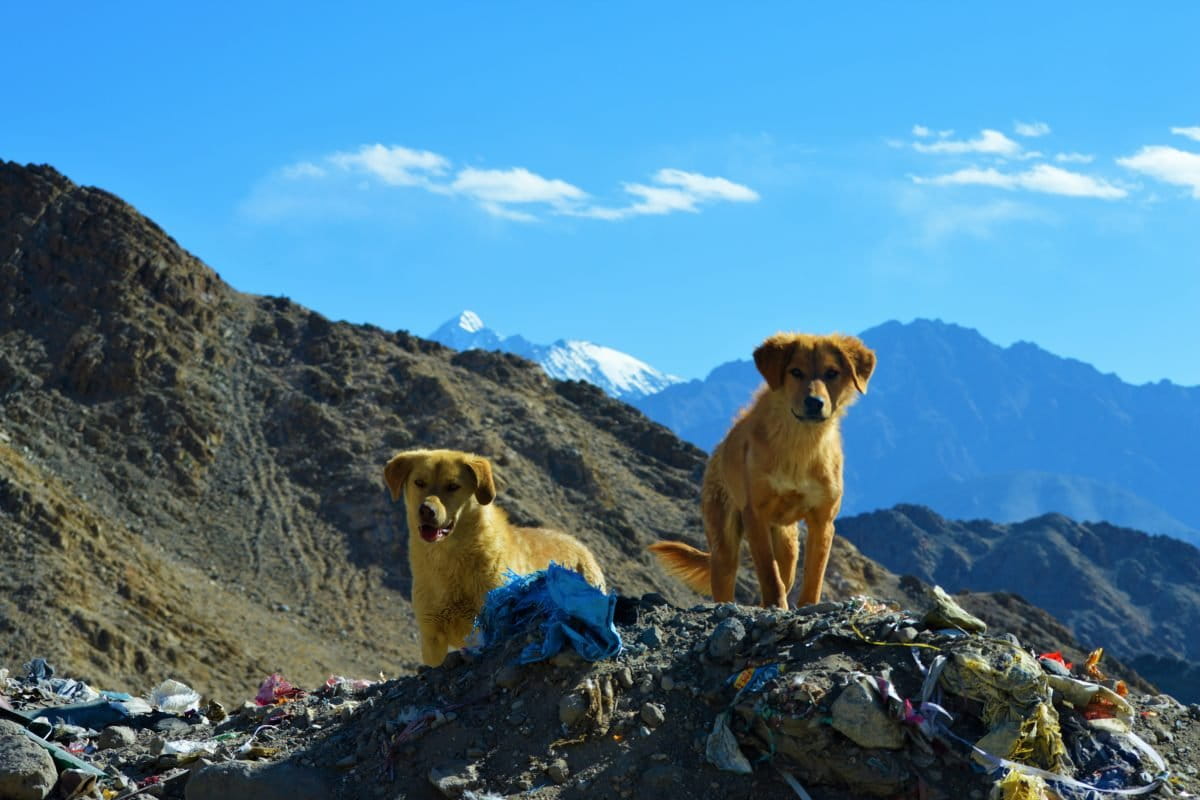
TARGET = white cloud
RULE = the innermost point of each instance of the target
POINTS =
(1031, 129)
(1167, 164)
(516, 193)
(677, 191)
(1039, 178)
(304, 169)
(946, 134)
(495, 188)
(921, 131)
(989, 141)
(1074, 158)
(1191, 133)
(396, 166)
(705, 187)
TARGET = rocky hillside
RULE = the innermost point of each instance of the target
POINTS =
(1137, 595)
(190, 477)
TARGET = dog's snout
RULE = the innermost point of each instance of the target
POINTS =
(813, 404)
(427, 513)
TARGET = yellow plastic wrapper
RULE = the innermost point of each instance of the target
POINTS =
(1015, 786)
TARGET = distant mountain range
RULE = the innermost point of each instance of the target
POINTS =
(974, 430)
(619, 374)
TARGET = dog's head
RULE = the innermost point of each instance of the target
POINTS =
(820, 375)
(438, 485)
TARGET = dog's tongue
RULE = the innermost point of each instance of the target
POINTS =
(432, 534)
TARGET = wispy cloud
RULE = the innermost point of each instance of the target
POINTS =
(395, 166)
(1031, 129)
(988, 142)
(677, 191)
(1038, 178)
(1167, 164)
(516, 193)
(921, 131)
(1074, 158)
(1191, 133)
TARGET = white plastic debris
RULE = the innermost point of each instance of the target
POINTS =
(174, 697)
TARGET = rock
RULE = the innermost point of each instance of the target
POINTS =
(725, 638)
(667, 683)
(115, 736)
(558, 771)
(653, 714)
(625, 677)
(26, 770)
(243, 780)
(946, 613)
(858, 716)
(572, 708)
(454, 778)
(508, 676)
(651, 637)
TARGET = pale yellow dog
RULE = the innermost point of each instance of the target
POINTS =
(461, 544)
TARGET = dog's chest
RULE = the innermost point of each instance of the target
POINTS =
(793, 496)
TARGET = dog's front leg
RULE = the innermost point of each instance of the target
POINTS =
(816, 554)
(770, 582)
(433, 649)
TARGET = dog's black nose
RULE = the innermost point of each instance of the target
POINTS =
(426, 513)
(813, 405)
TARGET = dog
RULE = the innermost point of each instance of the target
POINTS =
(461, 544)
(781, 462)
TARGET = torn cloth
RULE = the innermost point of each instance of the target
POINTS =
(561, 604)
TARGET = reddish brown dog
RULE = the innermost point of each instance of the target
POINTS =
(781, 462)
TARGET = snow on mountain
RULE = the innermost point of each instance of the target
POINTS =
(618, 374)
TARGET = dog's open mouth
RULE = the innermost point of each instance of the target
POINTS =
(808, 416)
(431, 534)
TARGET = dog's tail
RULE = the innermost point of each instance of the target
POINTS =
(686, 563)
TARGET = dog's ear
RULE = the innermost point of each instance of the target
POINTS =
(859, 357)
(772, 357)
(485, 484)
(395, 474)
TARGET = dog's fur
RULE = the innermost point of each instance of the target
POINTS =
(781, 462)
(461, 544)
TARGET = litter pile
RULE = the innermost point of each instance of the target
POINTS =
(832, 702)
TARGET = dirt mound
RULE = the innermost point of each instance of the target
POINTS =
(847, 700)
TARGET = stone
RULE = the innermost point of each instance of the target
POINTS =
(625, 677)
(725, 639)
(662, 778)
(651, 637)
(558, 771)
(653, 714)
(244, 780)
(859, 717)
(454, 779)
(115, 736)
(508, 676)
(26, 770)
(572, 708)
(946, 613)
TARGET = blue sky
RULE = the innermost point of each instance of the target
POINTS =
(676, 180)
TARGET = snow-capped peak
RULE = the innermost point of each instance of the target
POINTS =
(619, 374)
(470, 322)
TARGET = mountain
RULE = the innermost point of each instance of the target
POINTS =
(963, 425)
(620, 375)
(1135, 594)
(191, 477)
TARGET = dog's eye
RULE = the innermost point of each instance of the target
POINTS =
(797, 373)
(452, 487)
(420, 484)
(831, 374)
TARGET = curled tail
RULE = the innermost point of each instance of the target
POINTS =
(686, 563)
